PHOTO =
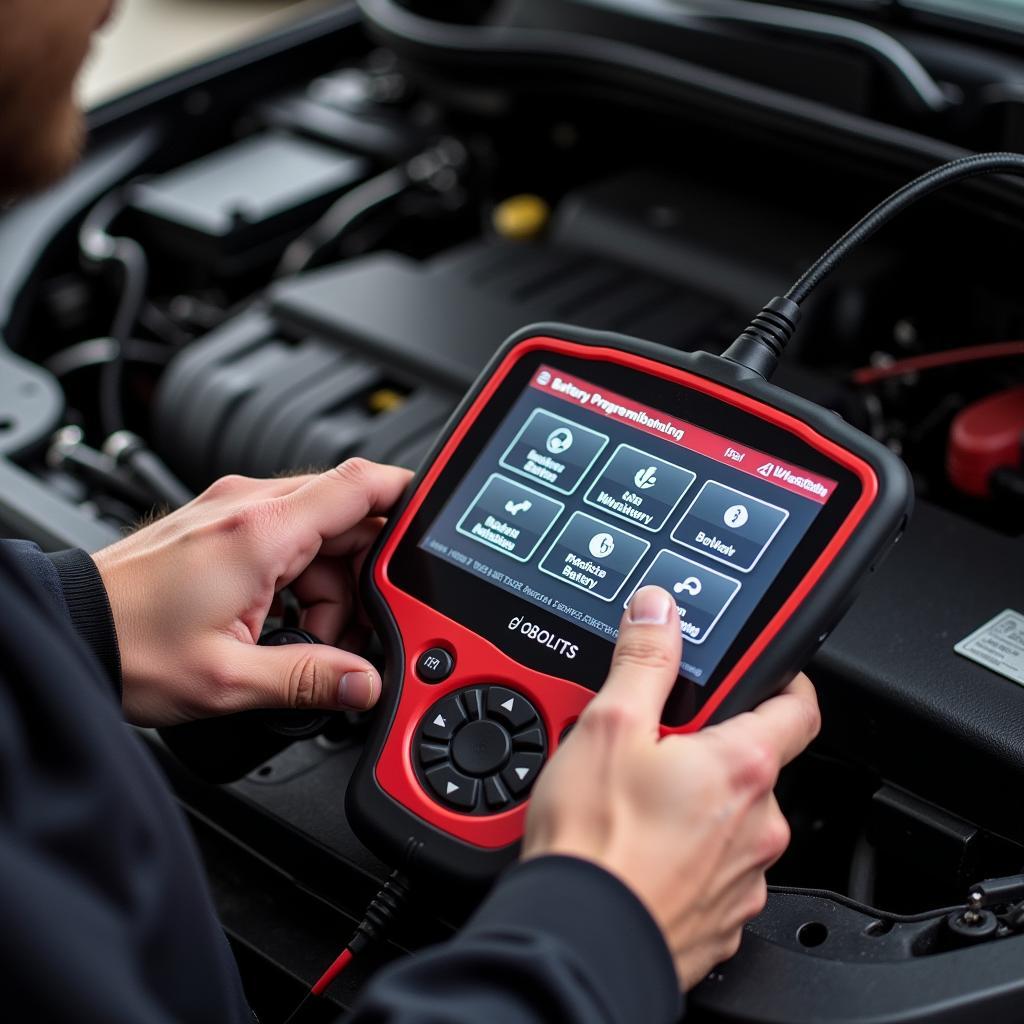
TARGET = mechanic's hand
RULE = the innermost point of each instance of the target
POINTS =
(688, 822)
(190, 594)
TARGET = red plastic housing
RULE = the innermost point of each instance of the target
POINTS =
(559, 701)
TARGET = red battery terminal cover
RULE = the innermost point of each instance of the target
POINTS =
(986, 436)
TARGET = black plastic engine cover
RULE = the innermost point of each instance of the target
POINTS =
(369, 358)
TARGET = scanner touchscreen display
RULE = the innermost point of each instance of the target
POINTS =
(581, 495)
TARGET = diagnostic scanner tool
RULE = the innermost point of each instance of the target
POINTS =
(580, 467)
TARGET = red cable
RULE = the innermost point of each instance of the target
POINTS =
(951, 357)
(327, 978)
(378, 917)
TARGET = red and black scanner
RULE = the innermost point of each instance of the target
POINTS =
(581, 466)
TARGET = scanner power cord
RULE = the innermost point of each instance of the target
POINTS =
(762, 343)
(376, 922)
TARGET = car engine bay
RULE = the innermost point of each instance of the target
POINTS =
(306, 251)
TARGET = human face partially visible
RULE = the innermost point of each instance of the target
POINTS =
(43, 44)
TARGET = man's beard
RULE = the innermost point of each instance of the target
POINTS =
(35, 160)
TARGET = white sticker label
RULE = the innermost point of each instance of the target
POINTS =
(998, 645)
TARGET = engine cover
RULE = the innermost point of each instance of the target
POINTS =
(368, 358)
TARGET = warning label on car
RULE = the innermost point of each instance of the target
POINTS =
(998, 645)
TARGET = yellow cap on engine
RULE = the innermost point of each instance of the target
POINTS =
(384, 400)
(521, 217)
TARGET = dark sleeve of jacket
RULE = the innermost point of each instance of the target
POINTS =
(559, 939)
(106, 912)
(70, 584)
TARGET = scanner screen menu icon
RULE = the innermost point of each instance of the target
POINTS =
(509, 517)
(593, 556)
(553, 451)
(691, 585)
(639, 487)
(729, 526)
(645, 477)
(559, 440)
(702, 594)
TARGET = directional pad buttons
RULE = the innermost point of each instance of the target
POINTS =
(521, 771)
(453, 787)
(443, 719)
(509, 707)
(480, 749)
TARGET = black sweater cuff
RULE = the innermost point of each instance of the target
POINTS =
(89, 608)
(616, 942)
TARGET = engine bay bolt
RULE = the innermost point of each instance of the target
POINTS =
(971, 926)
(904, 333)
(972, 915)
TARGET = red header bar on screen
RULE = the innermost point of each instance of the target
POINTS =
(748, 460)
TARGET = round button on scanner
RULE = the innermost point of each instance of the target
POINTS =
(434, 665)
(481, 748)
(292, 724)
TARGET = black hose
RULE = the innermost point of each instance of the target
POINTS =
(99, 351)
(347, 211)
(129, 450)
(100, 249)
(863, 908)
